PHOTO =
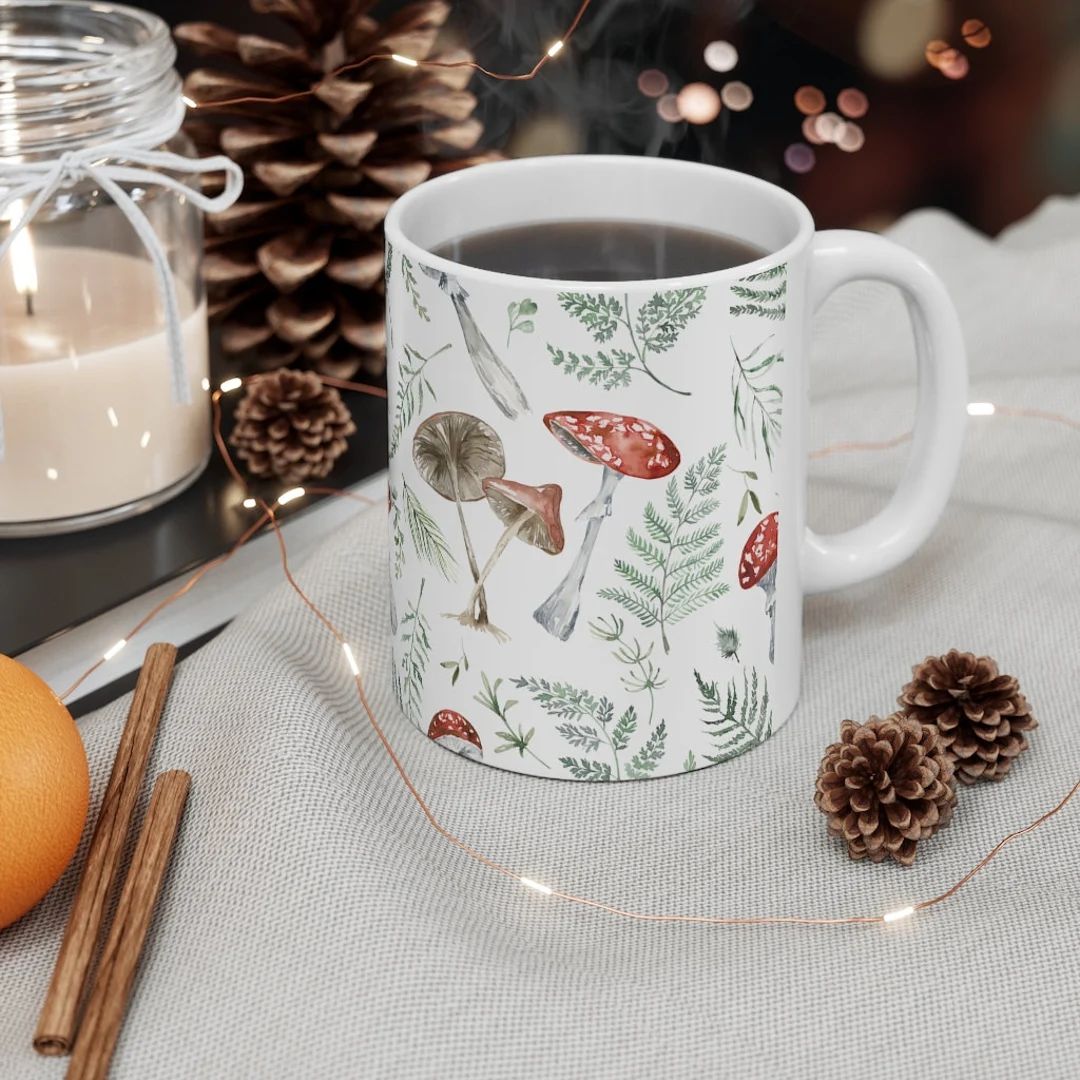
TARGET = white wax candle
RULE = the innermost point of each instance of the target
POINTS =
(85, 388)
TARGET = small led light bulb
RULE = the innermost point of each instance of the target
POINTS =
(408, 61)
(898, 914)
(114, 649)
(555, 48)
(231, 384)
(290, 495)
(353, 665)
(538, 886)
(981, 408)
(189, 102)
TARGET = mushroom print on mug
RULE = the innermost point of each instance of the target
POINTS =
(598, 545)
(577, 537)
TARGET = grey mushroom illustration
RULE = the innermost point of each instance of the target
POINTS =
(454, 454)
(493, 373)
(624, 446)
(529, 513)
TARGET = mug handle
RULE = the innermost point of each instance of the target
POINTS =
(834, 560)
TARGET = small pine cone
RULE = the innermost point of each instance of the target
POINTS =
(290, 426)
(886, 785)
(980, 713)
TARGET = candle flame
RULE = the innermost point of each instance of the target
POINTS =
(21, 254)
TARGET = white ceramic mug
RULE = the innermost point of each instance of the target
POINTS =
(598, 541)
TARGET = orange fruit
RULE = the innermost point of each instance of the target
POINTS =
(44, 789)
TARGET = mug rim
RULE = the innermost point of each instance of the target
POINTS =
(461, 179)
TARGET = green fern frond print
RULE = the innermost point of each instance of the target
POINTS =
(653, 329)
(428, 539)
(677, 566)
(589, 725)
(736, 722)
(767, 301)
(413, 390)
(757, 401)
(412, 288)
(409, 676)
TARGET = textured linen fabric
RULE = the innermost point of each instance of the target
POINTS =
(314, 926)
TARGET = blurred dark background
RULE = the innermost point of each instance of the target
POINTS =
(987, 130)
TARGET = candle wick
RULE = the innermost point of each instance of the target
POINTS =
(29, 302)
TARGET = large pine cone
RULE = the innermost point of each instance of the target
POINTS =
(980, 713)
(294, 269)
(291, 427)
(886, 785)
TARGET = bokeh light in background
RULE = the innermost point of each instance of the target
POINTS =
(652, 83)
(799, 158)
(668, 108)
(976, 33)
(850, 137)
(987, 146)
(956, 67)
(809, 100)
(938, 52)
(737, 96)
(828, 126)
(852, 103)
(809, 130)
(892, 34)
(698, 103)
(721, 55)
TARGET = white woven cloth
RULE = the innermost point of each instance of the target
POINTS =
(314, 926)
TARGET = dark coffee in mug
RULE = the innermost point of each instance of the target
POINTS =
(599, 250)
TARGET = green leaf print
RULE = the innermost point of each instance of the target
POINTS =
(763, 294)
(413, 390)
(645, 761)
(512, 738)
(413, 288)
(609, 370)
(737, 722)
(589, 725)
(428, 539)
(757, 404)
(519, 320)
(678, 564)
(598, 313)
(409, 677)
(652, 330)
(644, 676)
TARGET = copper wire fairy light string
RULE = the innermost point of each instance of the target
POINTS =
(245, 536)
(297, 95)
(269, 517)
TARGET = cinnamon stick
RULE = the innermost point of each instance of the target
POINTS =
(115, 975)
(59, 1015)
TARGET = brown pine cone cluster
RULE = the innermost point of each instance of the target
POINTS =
(886, 785)
(294, 269)
(291, 427)
(981, 715)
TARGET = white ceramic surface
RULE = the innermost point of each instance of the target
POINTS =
(659, 426)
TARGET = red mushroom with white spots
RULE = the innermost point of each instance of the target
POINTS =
(757, 566)
(452, 730)
(623, 446)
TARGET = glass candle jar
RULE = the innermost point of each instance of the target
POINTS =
(101, 420)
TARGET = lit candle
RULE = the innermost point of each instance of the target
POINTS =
(21, 256)
(90, 421)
